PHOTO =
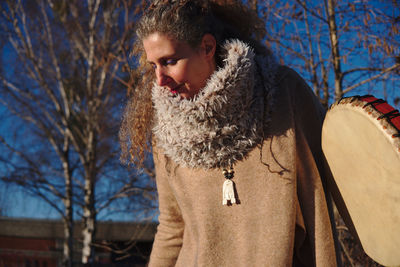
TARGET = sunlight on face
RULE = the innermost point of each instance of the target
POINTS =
(179, 67)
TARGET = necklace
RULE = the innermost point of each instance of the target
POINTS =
(228, 188)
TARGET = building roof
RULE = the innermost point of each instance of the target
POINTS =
(110, 230)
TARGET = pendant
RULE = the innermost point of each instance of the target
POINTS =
(228, 188)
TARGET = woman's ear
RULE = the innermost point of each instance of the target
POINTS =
(208, 45)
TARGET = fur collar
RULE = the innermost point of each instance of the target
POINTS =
(225, 121)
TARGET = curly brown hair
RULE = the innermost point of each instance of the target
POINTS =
(187, 21)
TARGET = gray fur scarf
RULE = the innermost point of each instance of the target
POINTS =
(225, 121)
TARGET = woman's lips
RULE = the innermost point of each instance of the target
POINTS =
(175, 90)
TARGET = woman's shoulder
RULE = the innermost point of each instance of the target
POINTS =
(293, 84)
(294, 92)
(286, 74)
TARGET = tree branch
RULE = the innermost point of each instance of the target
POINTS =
(372, 78)
(312, 12)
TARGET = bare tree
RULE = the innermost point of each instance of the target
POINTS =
(339, 46)
(63, 88)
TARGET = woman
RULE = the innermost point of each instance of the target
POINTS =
(236, 142)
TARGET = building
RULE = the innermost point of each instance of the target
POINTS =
(39, 243)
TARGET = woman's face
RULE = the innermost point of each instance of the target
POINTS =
(182, 69)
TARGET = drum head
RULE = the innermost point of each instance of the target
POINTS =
(363, 154)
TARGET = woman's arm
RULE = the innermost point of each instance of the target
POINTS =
(168, 239)
(318, 246)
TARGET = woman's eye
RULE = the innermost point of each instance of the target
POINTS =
(164, 63)
(170, 62)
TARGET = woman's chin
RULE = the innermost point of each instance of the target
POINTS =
(183, 92)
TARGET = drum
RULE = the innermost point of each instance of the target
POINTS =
(361, 143)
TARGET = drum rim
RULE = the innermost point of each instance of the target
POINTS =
(379, 109)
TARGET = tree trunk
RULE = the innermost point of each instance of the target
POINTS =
(89, 209)
(69, 211)
(333, 36)
(89, 223)
(324, 76)
(68, 238)
(312, 65)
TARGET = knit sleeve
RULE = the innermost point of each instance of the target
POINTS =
(168, 239)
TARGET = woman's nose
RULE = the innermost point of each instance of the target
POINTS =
(162, 78)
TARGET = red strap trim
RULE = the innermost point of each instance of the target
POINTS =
(384, 108)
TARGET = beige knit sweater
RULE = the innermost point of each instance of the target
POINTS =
(282, 217)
